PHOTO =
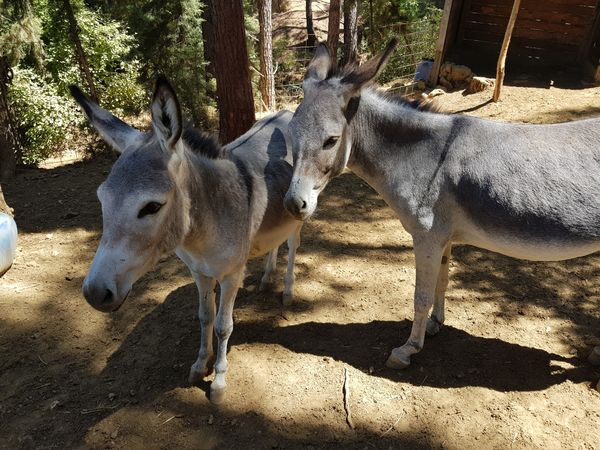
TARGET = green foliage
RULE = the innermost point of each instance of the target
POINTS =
(107, 46)
(45, 117)
(19, 32)
(169, 41)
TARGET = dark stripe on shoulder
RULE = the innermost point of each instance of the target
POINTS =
(248, 181)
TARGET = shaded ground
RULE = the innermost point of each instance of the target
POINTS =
(508, 370)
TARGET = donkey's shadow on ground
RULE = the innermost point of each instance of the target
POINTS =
(164, 344)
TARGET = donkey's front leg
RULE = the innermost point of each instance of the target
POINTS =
(206, 313)
(223, 329)
(436, 320)
(427, 261)
(288, 282)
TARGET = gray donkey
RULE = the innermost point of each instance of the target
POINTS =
(175, 189)
(527, 191)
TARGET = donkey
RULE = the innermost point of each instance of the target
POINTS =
(526, 191)
(175, 189)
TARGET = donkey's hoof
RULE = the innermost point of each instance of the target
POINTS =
(266, 286)
(287, 299)
(217, 394)
(398, 360)
(594, 358)
(196, 377)
(200, 371)
(433, 327)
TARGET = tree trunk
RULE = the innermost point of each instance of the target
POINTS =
(311, 39)
(9, 143)
(350, 31)
(232, 70)
(3, 206)
(82, 61)
(333, 27)
(208, 38)
(265, 40)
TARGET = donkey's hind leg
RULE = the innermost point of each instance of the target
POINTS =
(266, 282)
(223, 329)
(293, 244)
(436, 320)
(206, 313)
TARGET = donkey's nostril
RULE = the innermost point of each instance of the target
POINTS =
(303, 204)
(108, 297)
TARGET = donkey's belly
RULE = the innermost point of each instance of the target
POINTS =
(524, 246)
(267, 239)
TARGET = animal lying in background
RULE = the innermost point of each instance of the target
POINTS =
(8, 242)
(175, 189)
(454, 76)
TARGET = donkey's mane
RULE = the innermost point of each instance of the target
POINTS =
(202, 143)
(419, 104)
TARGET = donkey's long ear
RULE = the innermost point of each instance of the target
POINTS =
(166, 114)
(113, 130)
(365, 74)
(320, 65)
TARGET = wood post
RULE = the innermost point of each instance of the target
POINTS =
(504, 50)
(441, 42)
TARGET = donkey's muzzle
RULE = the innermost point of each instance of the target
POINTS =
(100, 297)
(296, 206)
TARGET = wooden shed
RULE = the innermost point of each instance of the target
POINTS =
(547, 34)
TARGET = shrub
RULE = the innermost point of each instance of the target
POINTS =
(45, 118)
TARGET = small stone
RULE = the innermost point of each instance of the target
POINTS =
(371, 369)
(211, 419)
(54, 404)
(112, 396)
(114, 434)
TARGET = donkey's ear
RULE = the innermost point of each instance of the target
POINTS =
(113, 130)
(320, 65)
(365, 74)
(166, 114)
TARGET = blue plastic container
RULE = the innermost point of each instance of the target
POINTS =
(8, 242)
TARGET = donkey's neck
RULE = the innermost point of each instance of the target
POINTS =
(385, 129)
(216, 196)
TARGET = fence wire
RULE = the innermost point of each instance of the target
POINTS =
(416, 42)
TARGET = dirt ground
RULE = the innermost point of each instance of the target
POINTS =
(507, 371)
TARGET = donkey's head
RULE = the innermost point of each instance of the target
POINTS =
(144, 209)
(319, 131)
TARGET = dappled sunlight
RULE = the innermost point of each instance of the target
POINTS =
(516, 332)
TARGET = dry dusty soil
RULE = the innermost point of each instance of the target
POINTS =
(507, 371)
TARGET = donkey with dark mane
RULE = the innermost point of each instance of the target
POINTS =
(526, 191)
(175, 189)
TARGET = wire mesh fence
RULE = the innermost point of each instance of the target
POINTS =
(416, 43)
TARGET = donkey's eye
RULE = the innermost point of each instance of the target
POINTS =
(330, 142)
(150, 208)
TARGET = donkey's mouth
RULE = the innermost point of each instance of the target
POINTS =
(121, 302)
